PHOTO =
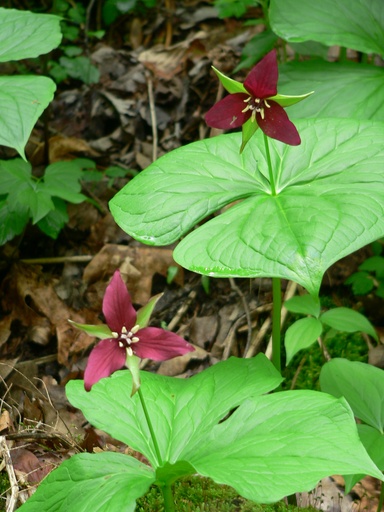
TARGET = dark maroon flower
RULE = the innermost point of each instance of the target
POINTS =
(256, 104)
(127, 339)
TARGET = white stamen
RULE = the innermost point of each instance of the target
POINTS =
(262, 113)
(248, 107)
(121, 345)
(135, 339)
(129, 351)
(124, 330)
(248, 99)
(266, 104)
(135, 329)
(253, 116)
(257, 100)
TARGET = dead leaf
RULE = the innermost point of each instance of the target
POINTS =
(137, 265)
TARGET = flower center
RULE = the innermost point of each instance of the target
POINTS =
(125, 338)
(256, 105)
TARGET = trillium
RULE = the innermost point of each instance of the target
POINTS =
(256, 104)
(125, 339)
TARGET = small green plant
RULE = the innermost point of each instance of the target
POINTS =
(43, 200)
(112, 9)
(370, 277)
(304, 332)
(73, 64)
(341, 377)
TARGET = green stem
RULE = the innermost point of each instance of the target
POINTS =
(169, 504)
(269, 162)
(381, 499)
(151, 431)
(276, 323)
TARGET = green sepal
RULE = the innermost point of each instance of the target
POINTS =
(144, 313)
(287, 101)
(133, 364)
(231, 85)
(248, 129)
(101, 331)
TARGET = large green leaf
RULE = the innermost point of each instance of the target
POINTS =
(330, 202)
(25, 34)
(361, 384)
(99, 482)
(270, 446)
(283, 443)
(182, 411)
(341, 90)
(23, 99)
(358, 24)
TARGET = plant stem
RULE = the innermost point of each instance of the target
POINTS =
(276, 323)
(276, 282)
(269, 162)
(169, 504)
(381, 498)
(151, 430)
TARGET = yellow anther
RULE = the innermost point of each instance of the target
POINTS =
(135, 339)
(115, 334)
(135, 329)
(129, 351)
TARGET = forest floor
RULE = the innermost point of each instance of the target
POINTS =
(155, 86)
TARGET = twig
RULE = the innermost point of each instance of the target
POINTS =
(257, 339)
(11, 505)
(326, 354)
(152, 110)
(246, 309)
(297, 372)
(182, 310)
(59, 259)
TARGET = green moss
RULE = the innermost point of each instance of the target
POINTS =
(195, 494)
(348, 345)
(4, 487)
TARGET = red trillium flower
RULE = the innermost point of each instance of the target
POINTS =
(127, 339)
(256, 104)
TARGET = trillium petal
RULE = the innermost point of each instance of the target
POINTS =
(105, 358)
(261, 81)
(277, 125)
(159, 345)
(117, 305)
(227, 113)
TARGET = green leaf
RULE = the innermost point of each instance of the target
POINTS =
(24, 98)
(301, 335)
(341, 90)
(231, 85)
(25, 34)
(339, 23)
(55, 220)
(348, 320)
(304, 304)
(374, 264)
(286, 442)
(361, 384)
(144, 313)
(101, 331)
(12, 222)
(329, 202)
(38, 201)
(62, 179)
(373, 441)
(310, 48)
(256, 48)
(81, 68)
(183, 411)
(97, 482)
(13, 174)
(361, 282)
